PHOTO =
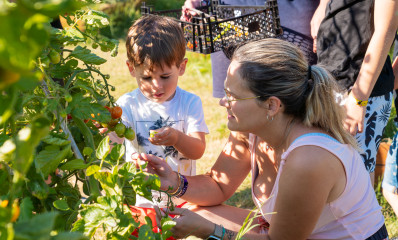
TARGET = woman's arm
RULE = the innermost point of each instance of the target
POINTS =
(316, 20)
(220, 183)
(385, 24)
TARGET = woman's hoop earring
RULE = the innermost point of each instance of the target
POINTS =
(272, 118)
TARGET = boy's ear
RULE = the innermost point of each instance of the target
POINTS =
(131, 68)
(183, 66)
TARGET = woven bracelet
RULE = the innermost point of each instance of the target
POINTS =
(184, 188)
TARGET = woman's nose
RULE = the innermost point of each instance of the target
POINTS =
(223, 102)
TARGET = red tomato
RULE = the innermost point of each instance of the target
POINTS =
(116, 112)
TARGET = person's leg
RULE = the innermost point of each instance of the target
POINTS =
(219, 68)
(376, 118)
(390, 179)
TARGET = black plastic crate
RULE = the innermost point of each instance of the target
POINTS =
(304, 42)
(218, 27)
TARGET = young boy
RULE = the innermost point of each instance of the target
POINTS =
(168, 121)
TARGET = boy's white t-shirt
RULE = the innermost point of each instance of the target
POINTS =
(184, 112)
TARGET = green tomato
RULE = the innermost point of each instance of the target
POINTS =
(120, 129)
(54, 56)
(68, 97)
(45, 62)
(94, 46)
(45, 102)
(63, 114)
(129, 134)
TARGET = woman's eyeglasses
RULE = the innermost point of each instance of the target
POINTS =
(230, 99)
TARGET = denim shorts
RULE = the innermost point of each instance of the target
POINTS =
(390, 179)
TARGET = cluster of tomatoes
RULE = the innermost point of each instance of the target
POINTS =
(52, 57)
(116, 125)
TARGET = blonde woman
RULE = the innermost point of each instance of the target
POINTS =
(287, 130)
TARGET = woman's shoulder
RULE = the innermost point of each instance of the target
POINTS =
(313, 146)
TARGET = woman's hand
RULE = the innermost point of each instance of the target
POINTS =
(355, 116)
(187, 223)
(158, 166)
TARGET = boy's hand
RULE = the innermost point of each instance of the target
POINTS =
(165, 136)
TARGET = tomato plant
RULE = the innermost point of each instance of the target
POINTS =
(50, 83)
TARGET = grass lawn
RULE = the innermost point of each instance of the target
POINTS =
(197, 79)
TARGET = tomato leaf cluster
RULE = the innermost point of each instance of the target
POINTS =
(59, 176)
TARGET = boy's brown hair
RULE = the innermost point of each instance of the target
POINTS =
(155, 40)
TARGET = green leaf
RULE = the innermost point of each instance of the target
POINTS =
(87, 56)
(74, 35)
(109, 202)
(144, 182)
(167, 224)
(74, 165)
(3, 138)
(27, 140)
(71, 219)
(25, 35)
(51, 8)
(26, 209)
(118, 152)
(61, 205)
(146, 233)
(47, 161)
(92, 170)
(69, 236)
(108, 183)
(129, 194)
(38, 188)
(94, 217)
(89, 88)
(9, 97)
(128, 171)
(52, 140)
(96, 19)
(5, 179)
(38, 227)
(103, 148)
(78, 226)
(7, 231)
(87, 151)
(83, 107)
